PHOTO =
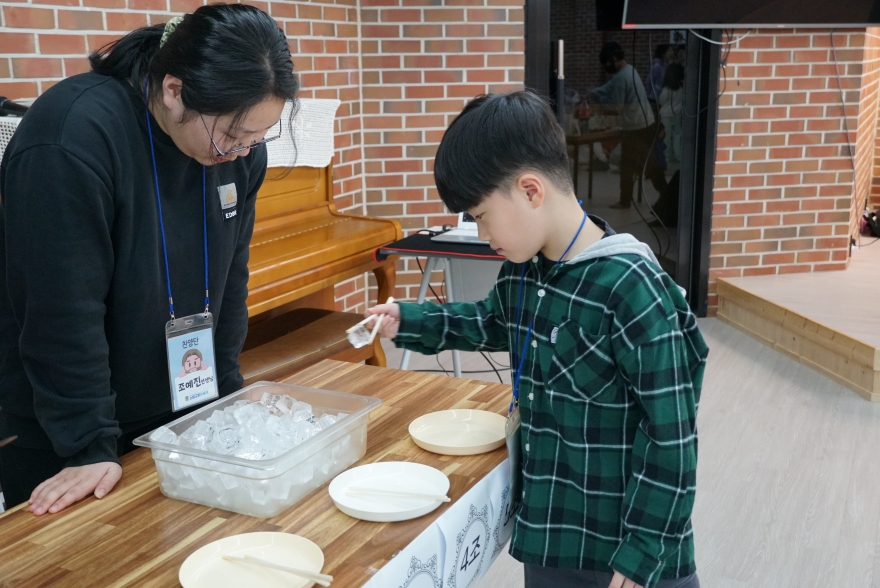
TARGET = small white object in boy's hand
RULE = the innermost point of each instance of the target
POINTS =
(359, 337)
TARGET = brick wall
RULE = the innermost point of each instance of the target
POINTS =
(867, 157)
(420, 64)
(784, 180)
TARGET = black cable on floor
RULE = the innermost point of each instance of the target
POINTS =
(486, 357)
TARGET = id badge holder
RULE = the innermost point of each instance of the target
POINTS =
(513, 433)
(190, 344)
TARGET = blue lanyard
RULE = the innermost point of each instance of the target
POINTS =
(522, 358)
(162, 224)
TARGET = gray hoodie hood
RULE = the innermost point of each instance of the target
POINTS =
(619, 244)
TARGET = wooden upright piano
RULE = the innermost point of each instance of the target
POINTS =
(301, 248)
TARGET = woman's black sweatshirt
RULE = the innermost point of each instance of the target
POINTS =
(83, 304)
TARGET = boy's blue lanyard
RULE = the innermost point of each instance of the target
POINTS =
(162, 224)
(522, 358)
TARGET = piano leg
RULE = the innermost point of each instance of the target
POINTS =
(386, 276)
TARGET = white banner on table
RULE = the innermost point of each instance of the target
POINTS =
(467, 528)
(503, 517)
(418, 565)
(460, 546)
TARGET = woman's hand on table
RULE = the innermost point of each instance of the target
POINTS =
(73, 484)
(390, 323)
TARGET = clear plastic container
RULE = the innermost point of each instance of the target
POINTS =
(264, 488)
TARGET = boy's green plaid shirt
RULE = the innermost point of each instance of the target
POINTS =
(608, 399)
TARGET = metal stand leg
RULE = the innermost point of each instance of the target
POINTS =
(430, 266)
(447, 273)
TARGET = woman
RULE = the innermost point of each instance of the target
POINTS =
(128, 202)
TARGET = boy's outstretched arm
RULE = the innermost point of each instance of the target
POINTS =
(430, 328)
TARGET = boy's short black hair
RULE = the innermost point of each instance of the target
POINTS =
(494, 139)
(609, 51)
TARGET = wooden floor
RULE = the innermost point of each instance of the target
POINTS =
(787, 478)
(826, 320)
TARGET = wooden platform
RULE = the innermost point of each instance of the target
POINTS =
(826, 320)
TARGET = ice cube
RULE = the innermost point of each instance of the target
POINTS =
(242, 413)
(359, 336)
(197, 436)
(240, 403)
(252, 446)
(269, 399)
(304, 430)
(285, 425)
(326, 421)
(217, 419)
(163, 435)
(341, 416)
(203, 432)
(273, 425)
(285, 404)
(253, 423)
(303, 415)
(226, 439)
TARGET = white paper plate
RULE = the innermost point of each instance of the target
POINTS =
(206, 568)
(400, 476)
(458, 432)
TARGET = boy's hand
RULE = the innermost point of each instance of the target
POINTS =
(621, 581)
(390, 323)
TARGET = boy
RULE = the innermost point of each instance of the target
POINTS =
(608, 359)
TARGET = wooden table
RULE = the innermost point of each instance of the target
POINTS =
(588, 139)
(136, 536)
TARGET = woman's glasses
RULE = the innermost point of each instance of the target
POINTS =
(221, 153)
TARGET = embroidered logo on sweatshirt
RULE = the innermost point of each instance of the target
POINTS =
(228, 200)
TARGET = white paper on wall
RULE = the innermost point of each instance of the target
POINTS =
(311, 144)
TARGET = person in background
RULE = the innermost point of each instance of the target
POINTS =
(663, 55)
(625, 96)
(174, 113)
(670, 101)
(680, 55)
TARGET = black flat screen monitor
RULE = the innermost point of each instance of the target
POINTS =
(749, 14)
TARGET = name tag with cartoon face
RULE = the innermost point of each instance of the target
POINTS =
(190, 344)
(228, 200)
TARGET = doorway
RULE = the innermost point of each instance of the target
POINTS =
(639, 109)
